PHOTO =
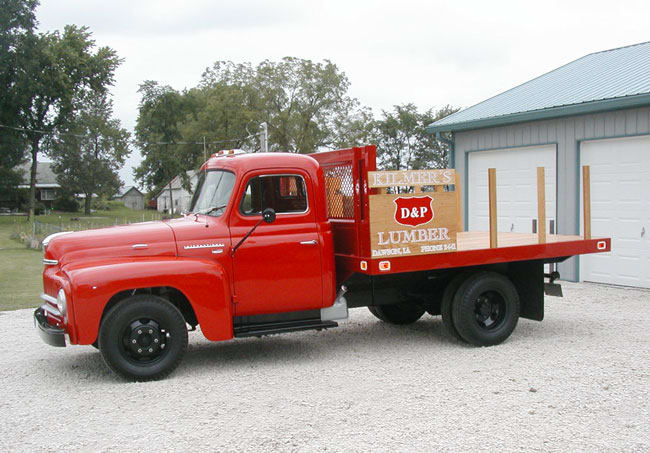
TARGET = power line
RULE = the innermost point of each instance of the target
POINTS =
(202, 142)
(23, 129)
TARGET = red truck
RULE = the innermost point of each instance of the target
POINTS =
(268, 248)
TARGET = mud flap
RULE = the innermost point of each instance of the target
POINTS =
(553, 289)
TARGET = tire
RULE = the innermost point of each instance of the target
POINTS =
(143, 338)
(399, 314)
(446, 304)
(485, 309)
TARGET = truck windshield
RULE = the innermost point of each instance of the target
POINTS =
(212, 192)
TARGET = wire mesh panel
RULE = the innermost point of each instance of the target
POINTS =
(339, 189)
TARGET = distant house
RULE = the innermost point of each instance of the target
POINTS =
(179, 195)
(47, 188)
(131, 197)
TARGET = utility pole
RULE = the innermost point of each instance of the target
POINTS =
(264, 137)
(205, 154)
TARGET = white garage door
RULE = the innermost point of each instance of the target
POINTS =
(516, 170)
(620, 209)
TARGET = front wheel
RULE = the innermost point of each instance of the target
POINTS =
(397, 314)
(485, 309)
(143, 338)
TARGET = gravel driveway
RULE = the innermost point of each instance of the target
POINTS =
(578, 381)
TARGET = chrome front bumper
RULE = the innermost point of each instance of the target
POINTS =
(54, 336)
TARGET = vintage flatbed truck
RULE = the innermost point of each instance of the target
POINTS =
(280, 242)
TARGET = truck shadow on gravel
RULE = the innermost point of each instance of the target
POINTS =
(84, 363)
(347, 342)
(351, 338)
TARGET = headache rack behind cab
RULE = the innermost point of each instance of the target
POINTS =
(346, 191)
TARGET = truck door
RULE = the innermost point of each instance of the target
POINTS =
(278, 267)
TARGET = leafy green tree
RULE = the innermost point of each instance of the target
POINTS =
(222, 114)
(403, 142)
(17, 24)
(162, 111)
(354, 129)
(303, 102)
(90, 149)
(61, 69)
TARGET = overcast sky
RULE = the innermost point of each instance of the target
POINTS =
(431, 53)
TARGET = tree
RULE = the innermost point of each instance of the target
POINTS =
(302, 102)
(60, 68)
(224, 115)
(17, 24)
(90, 149)
(160, 115)
(403, 142)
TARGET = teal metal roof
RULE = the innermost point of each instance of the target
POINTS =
(607, 80)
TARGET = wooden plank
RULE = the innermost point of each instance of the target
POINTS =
(586, 201)
(477, 240)
(403, 178)
(459, 204)
(541, 205)
(492, 183)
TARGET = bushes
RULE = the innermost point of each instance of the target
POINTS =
(102, 204)
(39, 208)
(65, 204)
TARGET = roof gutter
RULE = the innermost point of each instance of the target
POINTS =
(638, 100)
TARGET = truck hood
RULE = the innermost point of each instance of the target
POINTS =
(138, 239)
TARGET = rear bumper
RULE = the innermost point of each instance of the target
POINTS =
(54, 336)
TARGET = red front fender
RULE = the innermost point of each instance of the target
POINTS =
(204, 283)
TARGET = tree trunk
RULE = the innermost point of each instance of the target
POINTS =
(87, 201)
(171, 199)
(32, 178)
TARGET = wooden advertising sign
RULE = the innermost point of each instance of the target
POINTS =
(415, 223)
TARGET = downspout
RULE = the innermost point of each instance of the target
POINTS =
(451, 161)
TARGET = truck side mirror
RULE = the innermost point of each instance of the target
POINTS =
(268, 215)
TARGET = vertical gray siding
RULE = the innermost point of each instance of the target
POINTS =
(566, 132)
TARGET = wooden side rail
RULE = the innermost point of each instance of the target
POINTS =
(492, 187)
(541, 205)
(586, 201)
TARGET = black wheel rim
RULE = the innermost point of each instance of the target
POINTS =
(490, 310)
(145, 341)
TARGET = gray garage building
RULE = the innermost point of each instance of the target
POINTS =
(593, 111)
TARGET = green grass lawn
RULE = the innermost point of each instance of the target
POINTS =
(21, 268)
(20, 271)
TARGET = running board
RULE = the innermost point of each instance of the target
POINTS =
(272, 328)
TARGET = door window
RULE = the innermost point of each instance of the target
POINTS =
(284, 193)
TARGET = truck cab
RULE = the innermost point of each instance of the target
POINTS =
(291, 258)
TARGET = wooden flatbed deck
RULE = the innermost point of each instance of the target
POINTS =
(477, 240)
(474, 250)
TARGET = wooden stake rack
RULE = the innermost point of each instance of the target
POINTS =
(541, 205)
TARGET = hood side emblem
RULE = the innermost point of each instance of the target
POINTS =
(202, 246)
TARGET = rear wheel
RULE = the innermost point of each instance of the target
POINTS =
(398, 313)
(143, 338)
(485, 309)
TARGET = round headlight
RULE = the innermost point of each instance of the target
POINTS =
(61, 302)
